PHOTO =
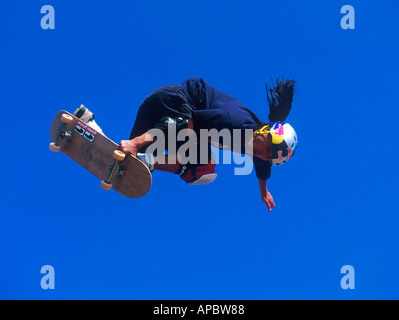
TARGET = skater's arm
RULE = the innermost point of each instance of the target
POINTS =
(134, 145)
(265, 194)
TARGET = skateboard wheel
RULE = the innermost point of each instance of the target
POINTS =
(66, 118)
(105, 185)
(53, 147)
(119, 155)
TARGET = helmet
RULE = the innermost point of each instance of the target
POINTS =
(284, 142)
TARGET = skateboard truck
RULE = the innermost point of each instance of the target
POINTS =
(63, 132)
(115, 169)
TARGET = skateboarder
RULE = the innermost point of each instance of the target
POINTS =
(196, 105)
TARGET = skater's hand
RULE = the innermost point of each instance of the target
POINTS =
(133, 146)
(129, 147)
(265, 195)
(268, 200)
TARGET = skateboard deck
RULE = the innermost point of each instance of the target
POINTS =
(98, 154)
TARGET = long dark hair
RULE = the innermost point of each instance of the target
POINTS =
(280, 96)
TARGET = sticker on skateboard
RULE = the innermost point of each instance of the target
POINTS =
(85, 130)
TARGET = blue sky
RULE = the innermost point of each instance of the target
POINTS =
(335, 201)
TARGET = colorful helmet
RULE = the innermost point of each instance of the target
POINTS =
(284, 142)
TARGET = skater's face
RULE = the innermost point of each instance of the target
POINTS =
(261, 146)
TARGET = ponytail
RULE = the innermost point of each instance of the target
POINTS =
(280, 97)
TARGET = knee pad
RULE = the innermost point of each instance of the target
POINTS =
(167, 122)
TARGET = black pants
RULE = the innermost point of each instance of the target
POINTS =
(173, 101)
(166, 101)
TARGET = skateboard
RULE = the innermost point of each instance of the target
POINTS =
(99, 155)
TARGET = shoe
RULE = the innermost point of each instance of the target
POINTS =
(205, 179)
(147, 159)
(84, 114)
(199, 174)
(87, 116)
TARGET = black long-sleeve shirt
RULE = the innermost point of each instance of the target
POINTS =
(208, 107)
